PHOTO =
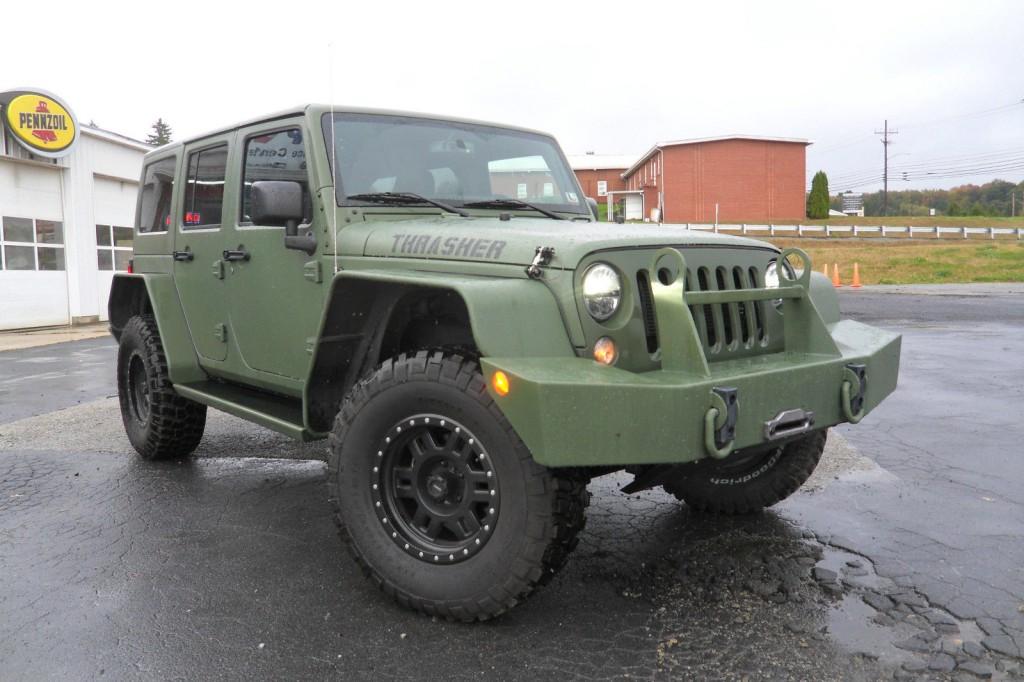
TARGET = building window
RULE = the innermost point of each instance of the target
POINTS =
(602, 188)
(113, 247)
(27, 244)
(549, 189)
(521, 192)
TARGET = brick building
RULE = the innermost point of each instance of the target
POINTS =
(748, 178)
(600, 173)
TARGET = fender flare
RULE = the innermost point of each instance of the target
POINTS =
(136, 294)
(508, 317)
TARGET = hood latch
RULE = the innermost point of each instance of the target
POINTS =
(541, 257)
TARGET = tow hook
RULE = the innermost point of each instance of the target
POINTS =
(720, 422)
(855, 384)
(541, 257)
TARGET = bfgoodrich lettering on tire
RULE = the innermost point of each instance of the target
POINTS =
(744, 483)
(440, 501)
(160, 423)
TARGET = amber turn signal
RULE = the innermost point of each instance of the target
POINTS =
(500, 383)
(605, 351)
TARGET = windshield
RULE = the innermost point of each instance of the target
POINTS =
(457, 163)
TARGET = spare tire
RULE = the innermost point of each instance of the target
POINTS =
(744, 483)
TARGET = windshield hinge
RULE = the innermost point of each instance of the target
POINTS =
(542, 256)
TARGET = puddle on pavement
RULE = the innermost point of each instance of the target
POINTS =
(762, 594)
(896, 625)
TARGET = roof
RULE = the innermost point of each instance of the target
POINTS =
(717, 138)
(111, 136)
(318, 109)
(601, 161)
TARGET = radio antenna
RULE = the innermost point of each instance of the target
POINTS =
(334, 154)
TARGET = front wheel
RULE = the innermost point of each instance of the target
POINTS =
(744, 483)
(441, 502)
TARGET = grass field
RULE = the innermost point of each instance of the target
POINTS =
(884, 261)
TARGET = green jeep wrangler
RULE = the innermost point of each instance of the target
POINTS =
(436, 297)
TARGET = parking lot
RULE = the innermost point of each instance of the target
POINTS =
(902, 557)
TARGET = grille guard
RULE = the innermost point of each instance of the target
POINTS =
(681, 348)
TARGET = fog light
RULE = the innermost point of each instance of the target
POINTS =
(500, 383)
(605, 351)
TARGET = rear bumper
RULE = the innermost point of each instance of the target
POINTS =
(574, 412)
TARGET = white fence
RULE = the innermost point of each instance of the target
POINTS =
(905, 231)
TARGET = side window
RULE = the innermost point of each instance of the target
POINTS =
(204, 190)
(280, 155)
(154, 213)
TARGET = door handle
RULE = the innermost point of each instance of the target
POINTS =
(236, 254)
(183, 256)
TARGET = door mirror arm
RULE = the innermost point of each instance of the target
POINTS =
(299, 242)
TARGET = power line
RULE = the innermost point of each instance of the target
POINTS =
(981, 113)
(930, 161)
(966, 116)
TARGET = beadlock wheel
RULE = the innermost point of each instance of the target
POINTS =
(138, 388)
(438, 499)
(436, 487)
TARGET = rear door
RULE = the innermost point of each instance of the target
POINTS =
(199, 244)
(277, 294)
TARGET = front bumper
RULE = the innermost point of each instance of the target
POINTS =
(574, 412)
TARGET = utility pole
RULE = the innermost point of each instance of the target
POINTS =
(885, 133)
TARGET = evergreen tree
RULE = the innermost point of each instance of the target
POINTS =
(161, 134)
(818, 199)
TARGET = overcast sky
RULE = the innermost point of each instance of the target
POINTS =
(604, 77)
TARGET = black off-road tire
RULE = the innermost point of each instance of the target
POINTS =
(751, 484)
(540, 511)
(160, 423)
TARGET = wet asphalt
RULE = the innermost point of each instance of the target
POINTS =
(903, 560)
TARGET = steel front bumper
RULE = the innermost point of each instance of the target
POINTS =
(575, 412)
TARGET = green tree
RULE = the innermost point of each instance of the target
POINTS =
(817, 200)
(161, 134)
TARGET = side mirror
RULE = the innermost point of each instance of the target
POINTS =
(279, 202)
(592, 203)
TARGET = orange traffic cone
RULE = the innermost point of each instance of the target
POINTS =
(824, 270)
(835, 276)
(856, 277)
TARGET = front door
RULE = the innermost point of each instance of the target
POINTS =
(199, 243)
(277, 294)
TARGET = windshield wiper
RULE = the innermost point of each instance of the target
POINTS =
(512, 203)
(404, 199)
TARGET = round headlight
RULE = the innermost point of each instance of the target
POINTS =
(602, 291)
(771, 275)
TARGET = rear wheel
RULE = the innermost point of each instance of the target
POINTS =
(745, 483)
(442, 504)
(160, 424)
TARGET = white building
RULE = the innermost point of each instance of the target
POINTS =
(66, 226)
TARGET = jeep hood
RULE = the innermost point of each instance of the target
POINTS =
(514, 241)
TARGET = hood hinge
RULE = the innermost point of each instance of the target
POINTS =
(541, 257)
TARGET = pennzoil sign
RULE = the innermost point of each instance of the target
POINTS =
(39, 122)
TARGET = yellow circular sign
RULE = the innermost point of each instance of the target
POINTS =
(41, 123)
